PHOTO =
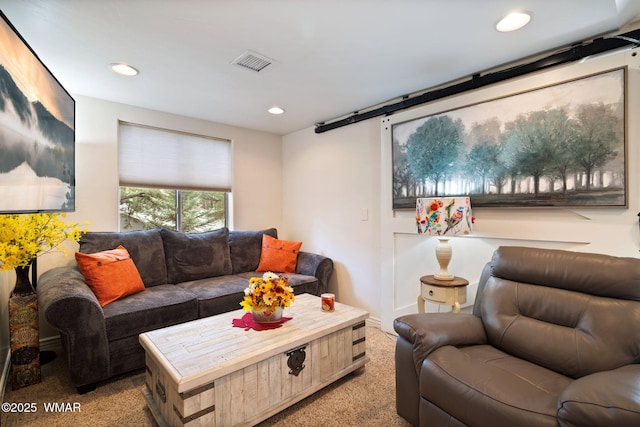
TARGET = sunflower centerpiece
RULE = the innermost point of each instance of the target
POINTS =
(267, 296)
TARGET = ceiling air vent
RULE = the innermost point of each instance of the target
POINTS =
(252, 61)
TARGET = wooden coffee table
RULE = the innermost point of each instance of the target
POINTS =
(210, 373)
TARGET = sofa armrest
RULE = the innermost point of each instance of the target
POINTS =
(610, 398)
(315, 265)
(428, 331)
(71, 307)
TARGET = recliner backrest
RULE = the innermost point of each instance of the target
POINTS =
(575, 313)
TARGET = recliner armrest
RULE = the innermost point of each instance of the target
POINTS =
(610, 398)
(429, 331)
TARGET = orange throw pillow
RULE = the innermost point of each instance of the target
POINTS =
(279, 256)
(110, 274)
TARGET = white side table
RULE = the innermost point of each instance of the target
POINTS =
(449, 292)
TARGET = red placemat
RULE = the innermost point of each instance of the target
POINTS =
(247, 323)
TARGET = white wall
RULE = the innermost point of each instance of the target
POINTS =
(257, 180)
(334, 175)
(331, 192)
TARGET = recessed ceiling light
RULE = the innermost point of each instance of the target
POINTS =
(275, 110)
(514, 21)
(124, 69)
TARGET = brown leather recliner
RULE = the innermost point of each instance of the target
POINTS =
(554, 340)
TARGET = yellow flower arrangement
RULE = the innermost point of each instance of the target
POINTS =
(268, 293)
(25, 236)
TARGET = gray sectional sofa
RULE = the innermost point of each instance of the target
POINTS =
(186, 276)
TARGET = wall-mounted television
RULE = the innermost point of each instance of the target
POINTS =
(37, 131)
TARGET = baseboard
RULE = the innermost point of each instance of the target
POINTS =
(51, 343)
(4, 376)
(373, 322)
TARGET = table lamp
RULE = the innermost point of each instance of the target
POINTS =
(444, 217)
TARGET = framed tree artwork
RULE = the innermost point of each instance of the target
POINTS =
(562, 145)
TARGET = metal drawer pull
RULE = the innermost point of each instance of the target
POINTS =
(296, 359)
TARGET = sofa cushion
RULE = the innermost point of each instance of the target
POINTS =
(217, 294)
(144, 246)
(111, 275)
(577, 271)
(154, 308)
(246, 247)
(222, 294)
(278, 255)
(569, 332)
(602, 399)
(193, 256)
(498, 389)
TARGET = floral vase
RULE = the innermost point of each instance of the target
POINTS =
(263, 316)
(23, 331)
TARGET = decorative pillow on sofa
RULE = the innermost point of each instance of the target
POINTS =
(111, 274)
(144, 246)
(193, 256)
(245, 247)
(278, 256)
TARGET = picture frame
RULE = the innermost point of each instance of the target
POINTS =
(37, 131)
(561, 145)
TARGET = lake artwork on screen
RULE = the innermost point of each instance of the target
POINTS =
(37, 131)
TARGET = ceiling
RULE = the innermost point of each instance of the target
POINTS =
(330, 57)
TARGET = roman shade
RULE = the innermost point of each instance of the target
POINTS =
(160, 158)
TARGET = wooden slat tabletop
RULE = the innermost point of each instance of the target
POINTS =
(198, 352)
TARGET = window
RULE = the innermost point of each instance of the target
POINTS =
(172, 179)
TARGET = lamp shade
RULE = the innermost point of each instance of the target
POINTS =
(444, 216)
